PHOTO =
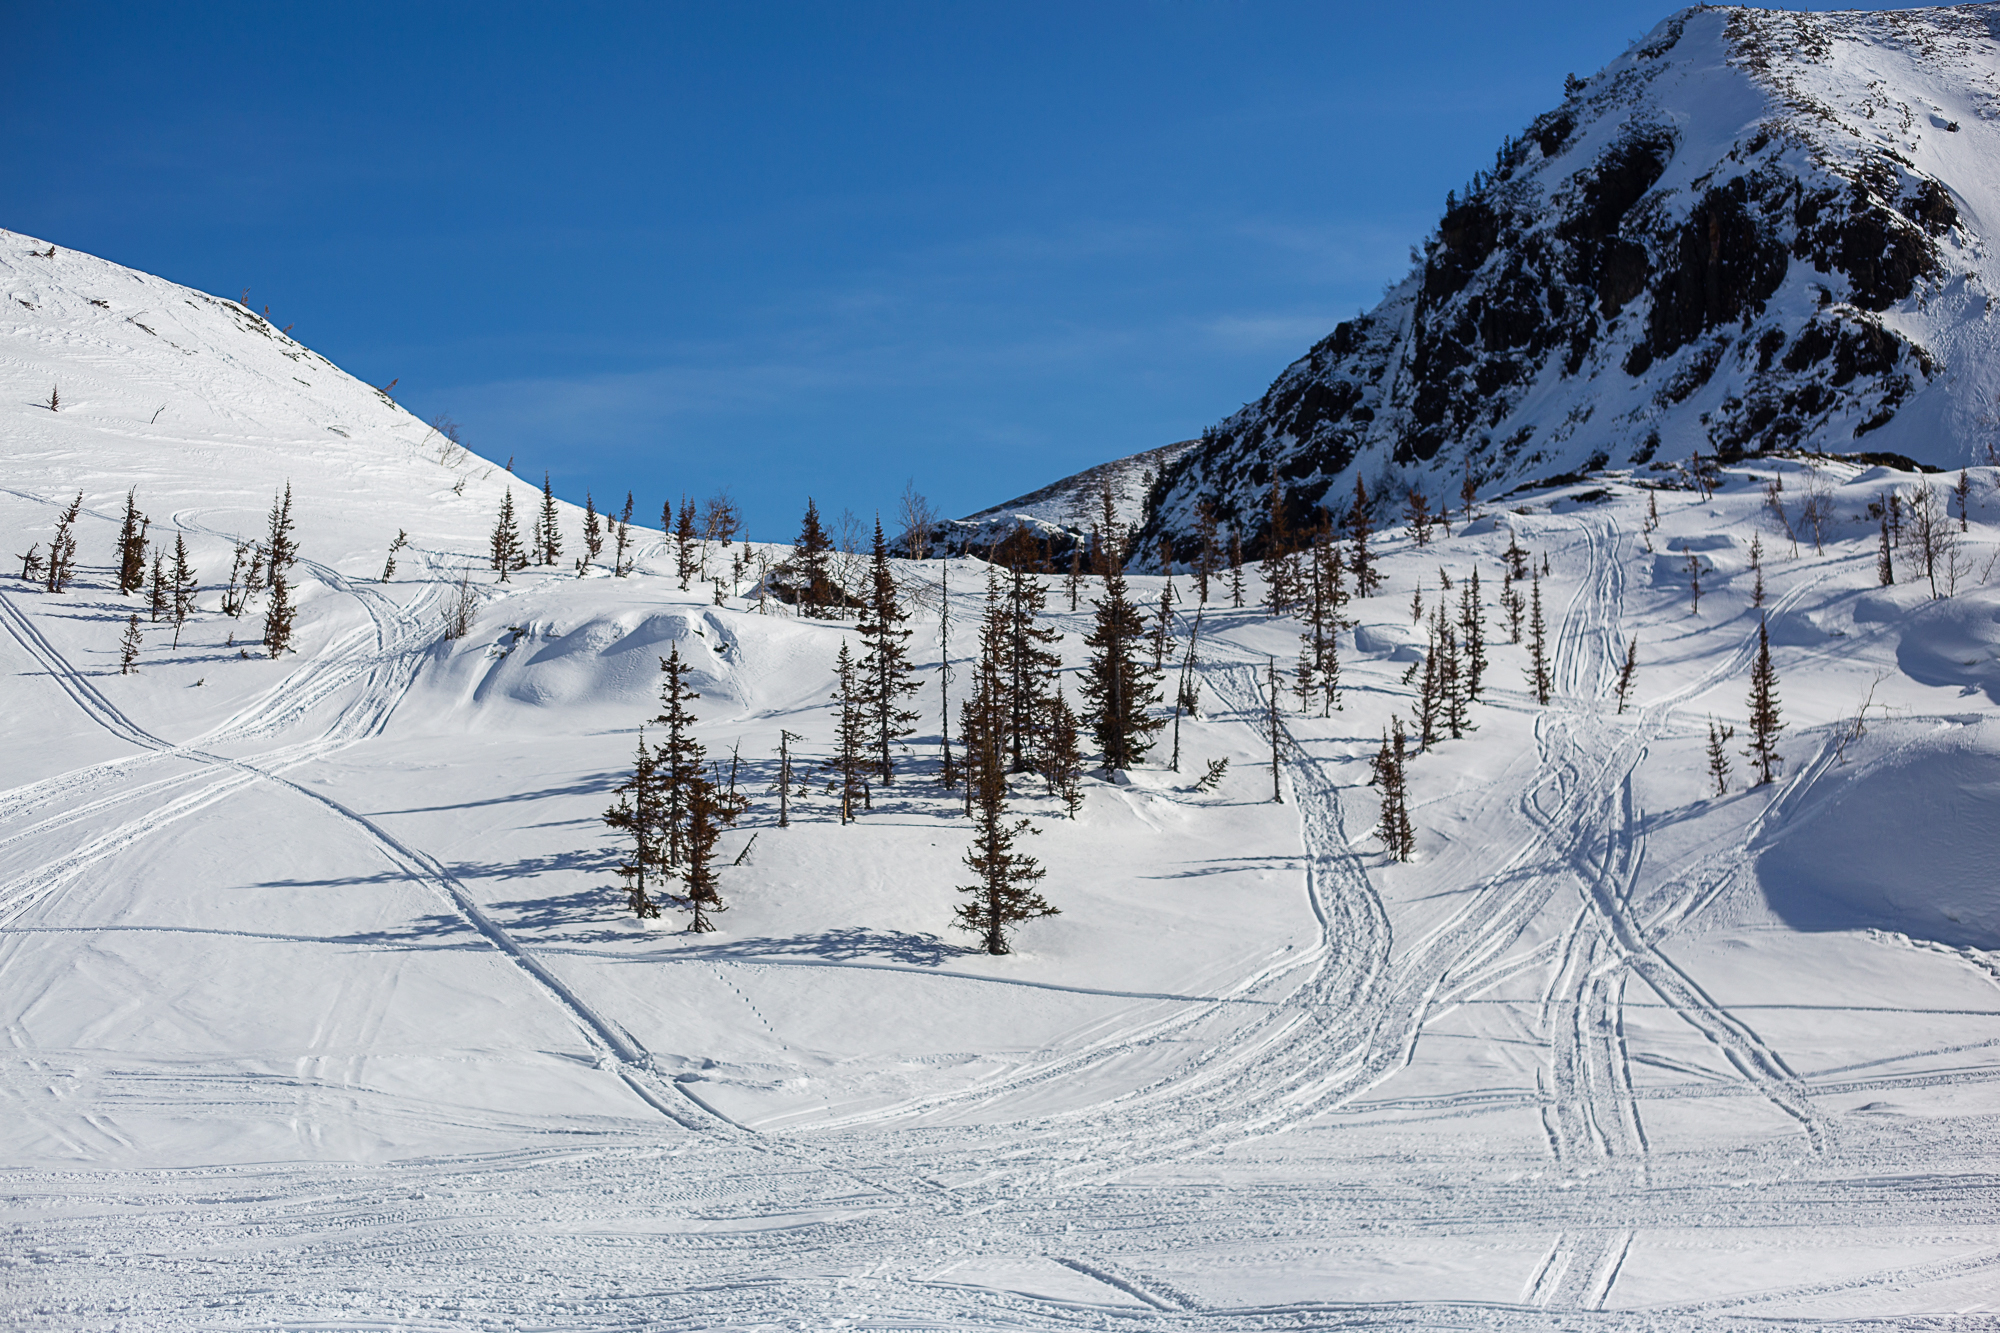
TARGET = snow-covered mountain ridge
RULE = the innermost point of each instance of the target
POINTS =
(1754, 230)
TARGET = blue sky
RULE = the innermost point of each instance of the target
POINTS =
(788, 249)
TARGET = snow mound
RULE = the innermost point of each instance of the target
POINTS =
(1909, 846)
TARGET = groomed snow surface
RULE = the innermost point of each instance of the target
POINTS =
(321, 1011)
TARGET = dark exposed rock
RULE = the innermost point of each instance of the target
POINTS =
(1733, 299)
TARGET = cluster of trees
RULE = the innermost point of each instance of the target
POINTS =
(169, 581)
(689, 537)
(673, 808)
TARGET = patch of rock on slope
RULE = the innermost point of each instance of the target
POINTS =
(1753, 230)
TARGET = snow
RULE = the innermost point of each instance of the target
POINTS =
(320, 1009)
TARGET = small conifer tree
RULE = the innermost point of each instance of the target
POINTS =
(1630, 669)
(128, 647)
(593, 530)
(1757, 569)
(687, 563)
(1765, 723)
(1361, 561)
(132, 547)
(157, 596)
(622, 540)
(278, 614)
(635, 815)
(1538, 646)
(1002, 894)
(1235, 568)
(886, 669)
(185, 587)
(849, 761)
(1062, 756)
(548, 527)
(505, 545)
(1718, 756)
(812, 557)
(62, 547)
(389, 565)
(1472, 633)
(1394, 828)
(1118, 687)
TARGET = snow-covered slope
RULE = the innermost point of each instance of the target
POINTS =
(321, 1009)
(1064, 510)
(1754, 230)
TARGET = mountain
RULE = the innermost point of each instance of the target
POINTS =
(1062, 510)
(1755, 230)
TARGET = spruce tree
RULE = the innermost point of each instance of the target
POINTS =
(1885, 561)
(1208, 559)
(1757, 569)
(1516, 557)
(1163, 624)
(1075, 579)
(62, 547)
(635, 815)
(593, 530)
(886, 670)
(687, 563)
(679, 758)
(1694, 580)
(132, 547)
(1430, 691)
(1235, 567)
(504, 547)
(1274, 728)
(389, 565)
(1062, 756)
(281, 549)
(1319, 644)
(278, 616)
(548, 527)
(1453, 697)
(849, 760)
(185, 587)
(156, 593)
(1764, 719)
(1118, 688)
(621, 537)
(128, 646)
(1394, 828)
(812, 557)
(1362, 561)
(1718, 756)
(1028, 662)
(1472, 633)
(1280, 585)
(1630, 670)
(1538, 646)
(1417, 509)
(1002, 893)
(32, 563)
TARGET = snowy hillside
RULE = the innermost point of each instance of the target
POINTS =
(1063, 510)
(1754, 230)
(322, 1008)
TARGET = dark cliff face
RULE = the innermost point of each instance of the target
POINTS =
(1624, 273)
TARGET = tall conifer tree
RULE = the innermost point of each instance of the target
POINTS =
(1765, 723)
(1118, 686)
(885, 661)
